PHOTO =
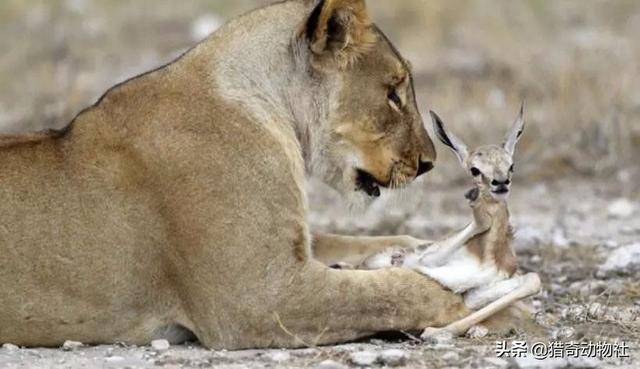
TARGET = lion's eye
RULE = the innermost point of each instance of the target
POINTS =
(475, 172)
(395, 99)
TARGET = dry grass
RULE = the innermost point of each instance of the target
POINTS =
(575, 62)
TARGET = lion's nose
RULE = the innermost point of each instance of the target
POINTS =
(424, 167)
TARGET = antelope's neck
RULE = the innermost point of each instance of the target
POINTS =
(494, 246)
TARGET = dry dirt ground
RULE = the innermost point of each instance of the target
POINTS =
(581, 235)
(576, 200)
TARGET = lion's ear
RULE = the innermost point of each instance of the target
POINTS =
(339, 31)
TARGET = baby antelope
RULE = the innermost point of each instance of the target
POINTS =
(478, 260)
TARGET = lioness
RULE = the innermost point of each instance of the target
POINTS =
(177, 200)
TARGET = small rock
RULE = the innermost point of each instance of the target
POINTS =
(621, 208)
(279, 356)
(477, 331)
(596, 311)
(71, 345)
(536, 259)
(330, 364)
(363, 358)
(160, 345)
(625, 259)
(563, 333)
(393, 357)
(436, 336)
(576, 313)
(546, 320)
(10, 347)
(451, 357)
(496, 362)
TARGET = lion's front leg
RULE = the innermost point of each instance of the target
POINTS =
(340, 250)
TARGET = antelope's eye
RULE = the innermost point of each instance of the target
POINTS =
(511, 169)
(475, 172)
(395, 99)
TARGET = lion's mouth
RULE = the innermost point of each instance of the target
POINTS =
(368, 183)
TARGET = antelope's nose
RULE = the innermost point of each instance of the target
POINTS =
(424, 167)
(500, 183)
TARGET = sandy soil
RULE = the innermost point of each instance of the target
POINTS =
(575, 63)
(581, 248)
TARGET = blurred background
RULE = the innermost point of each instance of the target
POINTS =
(576, 62)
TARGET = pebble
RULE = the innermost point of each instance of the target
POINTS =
(439, 337)
(160, 345)
(625, 259)
(596, 311)
(393, 357)
(563, 333)
(621, 208)
(10, 347)
(279, 356)
(536, 259)
(477, 331)
(577, 313)
(330, 364)
(363, 358)
(71, 345)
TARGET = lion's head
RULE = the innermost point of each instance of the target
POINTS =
(373, 135)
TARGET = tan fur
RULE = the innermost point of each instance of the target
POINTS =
(494, 245)
(477, 260)
(178, 200)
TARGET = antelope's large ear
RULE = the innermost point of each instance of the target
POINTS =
(339, 31)
(515, 132)
(447, 138)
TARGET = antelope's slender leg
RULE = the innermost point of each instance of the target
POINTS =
(530, 285)
(441, 251)
(480, 297)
